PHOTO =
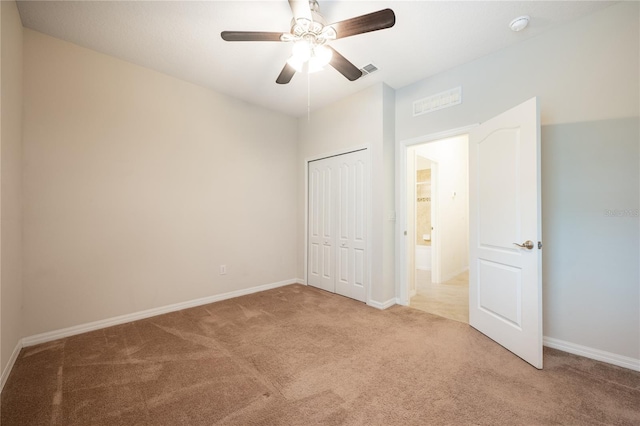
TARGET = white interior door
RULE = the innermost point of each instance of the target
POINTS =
(321, 266)
(505, 283)
(338, 258)
(351, 251)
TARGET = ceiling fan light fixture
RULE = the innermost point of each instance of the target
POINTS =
(301, 26)
(322, 55)
(317, 64)
(314, 66)
(328, 33)
(317, 56)
(296, 63)
(310, 34)
(301, 50)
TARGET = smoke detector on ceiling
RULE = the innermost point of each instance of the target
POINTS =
(520, 23)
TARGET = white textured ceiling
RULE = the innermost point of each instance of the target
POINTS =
(182, 39)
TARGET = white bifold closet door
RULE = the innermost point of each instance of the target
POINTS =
(337, 228)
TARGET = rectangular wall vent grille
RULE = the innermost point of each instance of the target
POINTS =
(438, 101)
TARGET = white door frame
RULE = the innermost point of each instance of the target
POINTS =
(402, 288)
(436, 241)
(411, 168)
(369, 219)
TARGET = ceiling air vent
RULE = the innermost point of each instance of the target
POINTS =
(368, 69)
(438, 101)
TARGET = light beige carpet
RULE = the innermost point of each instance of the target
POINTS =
(300, 356)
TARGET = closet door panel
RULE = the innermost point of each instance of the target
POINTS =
(338, 258)
(345, 223)
(321, 239)
(358, 241)
(352, 224)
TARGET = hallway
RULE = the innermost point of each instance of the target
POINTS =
(449, 299)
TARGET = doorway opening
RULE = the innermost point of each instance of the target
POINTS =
(438, 227)
(504, 221)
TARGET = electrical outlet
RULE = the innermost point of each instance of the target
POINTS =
(223, 269)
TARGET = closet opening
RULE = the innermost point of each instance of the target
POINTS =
(338, 256)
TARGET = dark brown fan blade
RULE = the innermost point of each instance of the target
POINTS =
(365, 23)
(250, 36)
(286, 74)
(300, 9)
(343, 66)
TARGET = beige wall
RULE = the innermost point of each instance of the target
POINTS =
(11, 181)
(358, 120)
(139, 185)
(586, 76)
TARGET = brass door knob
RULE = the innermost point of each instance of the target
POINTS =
(527, 244)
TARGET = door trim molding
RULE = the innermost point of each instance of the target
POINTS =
(402, 291)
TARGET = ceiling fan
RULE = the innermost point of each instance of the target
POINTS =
(310, 36)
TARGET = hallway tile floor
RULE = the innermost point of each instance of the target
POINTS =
(449, 299)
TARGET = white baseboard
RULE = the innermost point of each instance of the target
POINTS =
(301, 281)
(122, 319)
(382, 305)
(9, 367)
(597, 354)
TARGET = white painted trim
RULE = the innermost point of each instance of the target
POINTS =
(402, 285)
(122, 319)
(587, 352)
(384, 305)
(437, 136)
(12, 361)
(436, 241)
(301, 281)
(597, 354)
